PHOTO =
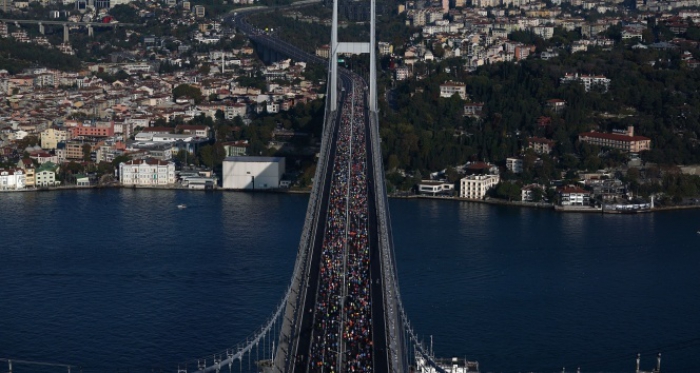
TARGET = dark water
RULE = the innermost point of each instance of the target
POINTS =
(122, 280)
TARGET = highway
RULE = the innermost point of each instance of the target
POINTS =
(69, 23)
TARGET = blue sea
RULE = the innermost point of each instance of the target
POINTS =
(122, 280)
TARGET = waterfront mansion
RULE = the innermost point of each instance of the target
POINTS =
(146, 172)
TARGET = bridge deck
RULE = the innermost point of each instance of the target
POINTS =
(342, 323)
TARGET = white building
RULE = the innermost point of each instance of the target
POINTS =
(252, 172)
(476, 186)
(45, 175)
(147, 172)
(12, 179)
(527, 192)
(588, 81)
(448, 89)
(514, 165)
(433, 188)
(574, 196)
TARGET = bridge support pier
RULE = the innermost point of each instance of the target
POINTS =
(41, 28)
(66, 37)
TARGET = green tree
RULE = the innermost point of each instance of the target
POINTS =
(186, 90)
(537, 194)
(182, 157)
(120, 159)
(509, 191)
(87, 149)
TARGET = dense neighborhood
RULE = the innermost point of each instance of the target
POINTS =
(483, 100)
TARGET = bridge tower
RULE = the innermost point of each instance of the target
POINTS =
(357, 48)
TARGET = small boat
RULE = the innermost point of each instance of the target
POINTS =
(182, 206)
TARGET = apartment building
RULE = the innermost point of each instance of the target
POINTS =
(476, 186)
(50, 138)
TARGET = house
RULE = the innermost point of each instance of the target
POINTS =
(29, 177)
(474, 109)
(236, 148)
(556, 105)
(45, 175)
(402, 72)
(527, 192)
(625, 141)
(448, 89)
(514, 165)
(235, 110)
(573, 196)
(82, 180)
(434, 188)
(476, 186)
(12, 179)
(323, 51)
(43, 157)
(540, 145)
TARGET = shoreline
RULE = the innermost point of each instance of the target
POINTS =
(490, 201)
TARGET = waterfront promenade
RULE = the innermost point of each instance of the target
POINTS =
(490, 201)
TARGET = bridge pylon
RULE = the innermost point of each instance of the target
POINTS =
(355, 48)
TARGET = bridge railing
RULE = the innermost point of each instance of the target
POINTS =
(396, 315)
(392, 317)
(238, 352)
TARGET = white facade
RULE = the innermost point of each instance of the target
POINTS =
(526, 193)
(514, 165)
(45, 178)
(430, 187)
(574, 197)
(253, 173)
(476, 186)
(150, 172)
(588, 81)
(12, 179)
(448, 89)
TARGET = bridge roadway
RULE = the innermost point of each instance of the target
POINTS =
(301, 346)
(299, 341)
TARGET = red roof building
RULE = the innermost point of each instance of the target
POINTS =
(627, 142)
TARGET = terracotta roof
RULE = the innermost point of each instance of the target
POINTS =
(191, 127)
(150, 161)
(614, 136)
(478, 166)
(573, 189)
(158, 129)
(540, 140)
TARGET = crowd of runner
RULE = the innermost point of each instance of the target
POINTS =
(343, 299)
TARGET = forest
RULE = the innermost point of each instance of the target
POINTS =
(651, 90)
